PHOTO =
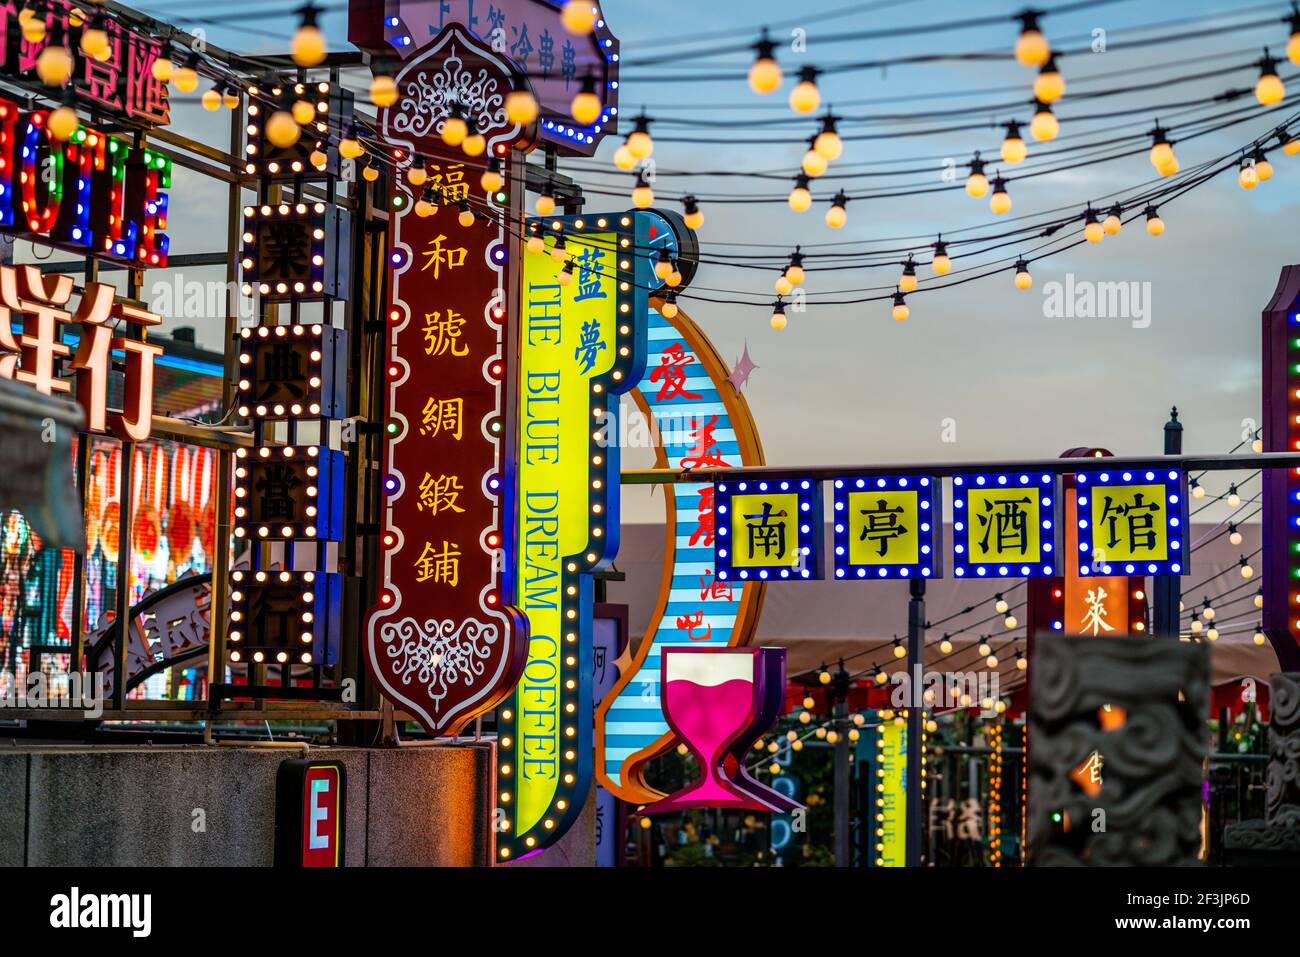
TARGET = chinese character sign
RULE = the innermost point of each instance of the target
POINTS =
(887, 526)
(445, 641)
(882, 758)
(1132, 522)
(38, 305)
(768, 529)
(581, 344)
(699, 418)
(1004, 524)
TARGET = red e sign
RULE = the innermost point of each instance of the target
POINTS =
(310, 815)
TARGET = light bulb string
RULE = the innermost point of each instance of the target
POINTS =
(1222, 600)
(1218, 531)
(1219, 574)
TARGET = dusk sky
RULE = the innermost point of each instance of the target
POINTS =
(846, 383)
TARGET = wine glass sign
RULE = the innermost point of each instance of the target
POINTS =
(717, 701)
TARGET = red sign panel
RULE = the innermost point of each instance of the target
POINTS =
(441, 644)
(310, 818)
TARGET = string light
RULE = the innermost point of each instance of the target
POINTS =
(1259, 635)
(1269, 90)
(900, 311)
(783, 285)
(521, 105)
(643, 196)
(828, 142)
(424, 206)
(1044, 126)
(837, 216)
(475, 143)
(585, 106)
(1198, 490)
(162, 69)
(1247, 176)
(1032, 48)
(1010, 621)
(370, 172)
(977, 184)
(418, 174)
(669, 308)
(350, 146)
(778, 322)
(805, 97)
(813, 163)
(1000, 201)
(946, 644)
(1234, 498)
(1162, 152)
(1293, 44)
(1246, 570)
(282, 129)
(907, 282)
(794, 270)
(54, 65)
(639, 142)
(383, 91)
(1290, 144)
(1259, 598)
(899, 651)
(1014, 149)
(1049, 85)
(941, 262)
(1234, 534)
(211, 99)
(186, 78)
(64, 121)
(1092, 230)
(1022, 663)
(559, 251)
(693, 217)
(492, 178)
(545, 204)
(454, 127)
(578, 17)
(33, 29)
(94, 41)
(765, 73)
(824, 676)
(1023, 279)
(308, 46)
(565, 275)
(1263, 168)
(800, 197)
(536, 244)
(1156, 227)
(623, 158)
(1112, 224)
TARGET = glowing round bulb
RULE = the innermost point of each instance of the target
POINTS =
(308, 46)
(545, 204)
(805, 97)
(1093, 232)
(640, 145)
(474, 145)
(1112, 224)
(454, 131)
(624, 159)
(1292, 146)
(1248, 177)
(829, 144)
(94, 42)
(901, 312)
(186, 79)
(466, 217)
(1259, 638)
(521, 107)
(282, 130)
(907, 282)
(491, 180)
(1023, 279)
(1011, 621)
(1044, 126)
(1032, 48)
(836, 216)
(1014, 150)
(1000, 202)
(585, 108)
(579, 17)
(800, 199)
(351, 148)
(1270, 89)
(211, 100)
(783, 286)
(63, 123)
(54, 65)
(694, 219)
(162, 69)
(1049, 85)
(370, 174)
(795, 274)
(814, 164)
(1156, 227)
(1162, 154)
(977, 185)
(643, 197)
(778, 322)
(304, 111)
(941, 264)
(1264, 170)
(764, 76)
(383, 91)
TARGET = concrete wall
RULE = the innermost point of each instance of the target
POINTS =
(215, 806)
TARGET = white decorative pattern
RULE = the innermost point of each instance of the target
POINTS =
(440, 653)
(428, 97)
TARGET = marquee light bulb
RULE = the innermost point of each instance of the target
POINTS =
(1014, 149)
(1044, 126)
(805, 97)
(54, 65)
(578, 17)
(308, 46)
(282, 130)
(907, 281)
(837, 216)
(800, 197)
(765, 73)
(1032, 48)
(1270, 90)
(977, 184)
(521, 105)
(585, 106)
(1049, 85)
(1156, 227)
(1023, 280)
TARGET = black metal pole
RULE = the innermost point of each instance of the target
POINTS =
(1168, 588)
(916, 672)
(840, 713)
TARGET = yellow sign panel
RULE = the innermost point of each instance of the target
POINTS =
(1129, 523)
(884, 528)
(1003, 526)
(891, 795)
(765, 530)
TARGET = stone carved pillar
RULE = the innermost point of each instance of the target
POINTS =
(1283, 802)
(1140, 804)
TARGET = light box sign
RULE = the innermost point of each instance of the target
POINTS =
(882, 757)
(94, 194)
(530, 32)
(310, 813)
(1005, 525)
(887, 527)
(701, 420)
(582, 343)
(1132, 521)
(445, 641)
(769, 529)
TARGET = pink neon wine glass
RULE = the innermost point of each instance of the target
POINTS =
(710, 697)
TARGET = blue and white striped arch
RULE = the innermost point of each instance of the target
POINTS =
(703, 423)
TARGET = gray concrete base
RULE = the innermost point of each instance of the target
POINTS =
(215, 806)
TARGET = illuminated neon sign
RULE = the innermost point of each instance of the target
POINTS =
(769, 529)
(1132, 521)
(582, 343)
(1004, 524)
(94, 194)
(887, 526)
